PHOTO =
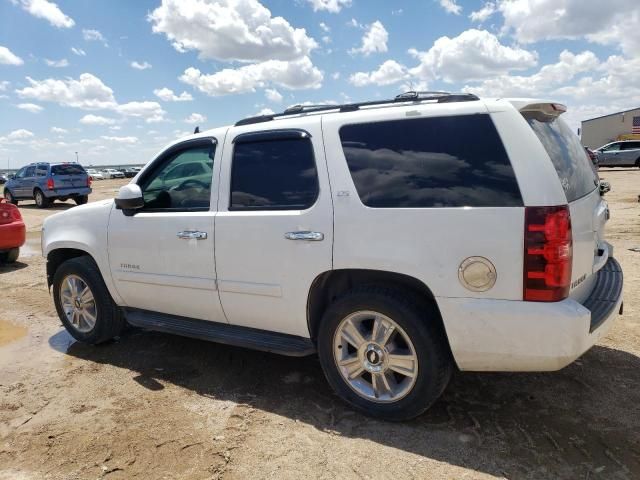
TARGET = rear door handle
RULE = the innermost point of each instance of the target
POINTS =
(305, 235)
(192, 234)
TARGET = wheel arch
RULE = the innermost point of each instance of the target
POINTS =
(58, 256)
(330, 285)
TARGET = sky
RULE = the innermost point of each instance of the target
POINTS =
(118, 80)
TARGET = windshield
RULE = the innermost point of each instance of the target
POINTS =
(69, 169)
(576, 171)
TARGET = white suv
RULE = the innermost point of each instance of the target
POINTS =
(398, 239)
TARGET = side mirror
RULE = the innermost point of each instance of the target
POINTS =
(12, 176)
(605, 187)
(129, 199)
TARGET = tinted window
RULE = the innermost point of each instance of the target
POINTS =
(611, 148)
(576, 172)
(41, 170)
(67, 169)
(631, 146)
(181, 182)
(273, 175)
(430, 162)
(21, 173)
(30, 172)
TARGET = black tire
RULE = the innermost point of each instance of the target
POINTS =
(41, 200)
(11, 256)
(109, 318)
(10, 198)
(81, 199)
(419, 321)
(638, 163)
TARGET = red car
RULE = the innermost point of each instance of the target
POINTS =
(12, 232)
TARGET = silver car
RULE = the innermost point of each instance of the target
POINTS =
(619, 154)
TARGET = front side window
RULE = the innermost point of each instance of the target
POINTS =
(21, 173)
(181, 182)
(273, 175)
(612, 148)
(452, 161)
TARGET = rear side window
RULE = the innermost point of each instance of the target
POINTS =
(631, 146)
(576, 172)
(69, 169)
(273, 175)
(452, 161)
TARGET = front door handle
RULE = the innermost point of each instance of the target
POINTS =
(304, 235)
(192, 235)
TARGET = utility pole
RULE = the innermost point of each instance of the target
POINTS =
(77, 157)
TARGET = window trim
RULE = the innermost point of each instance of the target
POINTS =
(268, 136)
(164, 158)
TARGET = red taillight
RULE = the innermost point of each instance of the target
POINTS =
(50, 184)
(548, 253)
(89, 180)
(8, 213)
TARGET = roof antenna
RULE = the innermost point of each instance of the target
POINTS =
(197, 130)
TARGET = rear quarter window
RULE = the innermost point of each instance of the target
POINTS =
(67, 170)
(576, 172)
(454, 161)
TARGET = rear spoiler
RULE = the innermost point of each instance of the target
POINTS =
(548, 110)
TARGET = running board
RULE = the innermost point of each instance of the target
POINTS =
(235, 335)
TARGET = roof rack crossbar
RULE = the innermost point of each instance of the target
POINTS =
(412, 96)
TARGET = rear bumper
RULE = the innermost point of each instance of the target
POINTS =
(503, 335)
(67, 192)
(12, 235)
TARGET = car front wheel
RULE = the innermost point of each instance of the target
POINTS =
(383, 353)
(83, 302)
(10, 198)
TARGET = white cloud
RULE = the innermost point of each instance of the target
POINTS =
(88, 92)
(332, 6)
(264, 111)
(195, 118)
(78, 51)
(324, 27)
(167, 95)
(535, 20)
(58, 130)
(16, 137)
(326, 39)
(96, 120)
(389, 72)
(48, 11)
(57, 63)
(472, 55)
(298, 74)
(93, 36)
(549, 78)
(151, 112)
(480, 16)
(450, 6)
(7, 57)
(374, 40)
(335, 75)
(4, 84)
(242, 30)
(140, 66)
(30, 107)
(125, 140)
(273, 95)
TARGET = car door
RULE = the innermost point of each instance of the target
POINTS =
(162, 257)
(28, 182)
(274, 227)
(15, 185)
(630, 153)
(610, 155)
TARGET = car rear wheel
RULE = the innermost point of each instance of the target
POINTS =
(41, 200)
(81, 199)
(10, 198)
(11, 256)
(383, 353)
(83, 302)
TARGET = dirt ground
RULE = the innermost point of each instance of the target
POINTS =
(157, 406)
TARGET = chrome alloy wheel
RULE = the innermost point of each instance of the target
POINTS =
(375, 356)
(78, 303)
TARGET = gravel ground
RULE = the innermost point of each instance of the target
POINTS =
(156, 406)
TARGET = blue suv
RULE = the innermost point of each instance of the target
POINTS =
(46, 182)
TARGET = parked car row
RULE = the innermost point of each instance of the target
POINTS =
(109, 173)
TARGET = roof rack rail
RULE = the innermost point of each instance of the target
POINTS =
(411, 96)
